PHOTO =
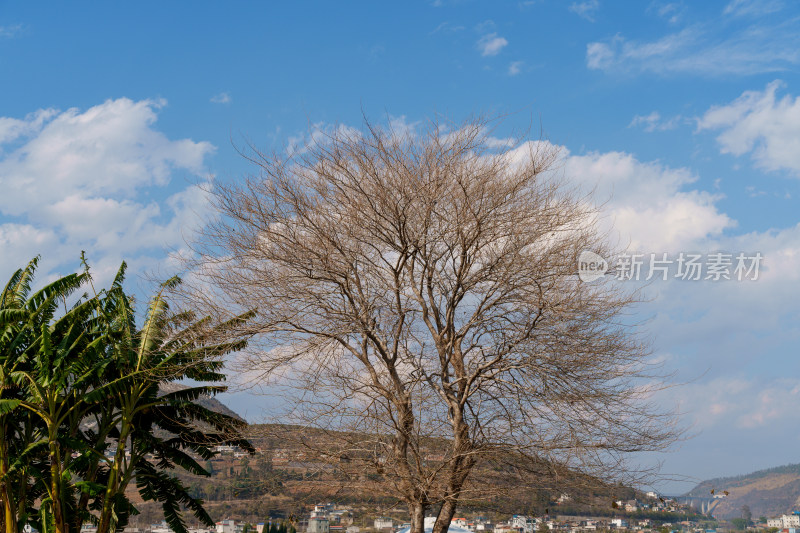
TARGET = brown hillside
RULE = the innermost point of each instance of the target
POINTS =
(767, 492)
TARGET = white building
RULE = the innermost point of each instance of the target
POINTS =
(383, 522)
(525, 523)
(323, 509)
(786, 521)
(228, 526)
(160, 528)
(619, 523)
(460, 522)
(318, 525)
(225, 448)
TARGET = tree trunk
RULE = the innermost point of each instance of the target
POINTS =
(460, 468)
(9, 513)
(55, 487)
(113, 484)
(417, 512)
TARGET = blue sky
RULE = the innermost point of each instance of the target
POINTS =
(684, 115)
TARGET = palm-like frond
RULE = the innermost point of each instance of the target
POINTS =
(91, 360)
(157, 485)
(18, 286)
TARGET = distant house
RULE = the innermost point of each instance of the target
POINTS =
(160, 528)
(524, 523)
(229, 526)
(225, 448)
(383, 522)
(787, 521)
(318, 525)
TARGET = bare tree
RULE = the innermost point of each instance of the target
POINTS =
(419, 293)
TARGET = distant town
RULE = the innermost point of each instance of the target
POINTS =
(330, 518)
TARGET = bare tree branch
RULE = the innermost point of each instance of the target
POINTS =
(419, 292)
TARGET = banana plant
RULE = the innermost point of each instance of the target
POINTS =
(84, 411)
(13, 341)
(49, 359)
(152, 431)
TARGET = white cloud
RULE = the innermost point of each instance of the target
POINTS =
(586, 9)
(718, 335)
(13, 128)
(221, 98)
(740, 402)
(9, 32)
(648, 204)
(653, 122)
(761, 124)
(401, 127)
(108, 149)
(491, 44)
(703, 49)
(21, 242)
(320, 133)
(739, 8)
(515, 68)
(447, 27)
(714, 335)
(599, 55)
(486, 26)
(89, 180)
(672, 12)
(497, 143)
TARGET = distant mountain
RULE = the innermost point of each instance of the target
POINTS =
(279, 473)
(769, 492)
(206, 401)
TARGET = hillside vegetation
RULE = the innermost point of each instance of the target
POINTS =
(769, 492)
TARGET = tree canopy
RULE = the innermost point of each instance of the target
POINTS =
(83, 412)
(419, 293)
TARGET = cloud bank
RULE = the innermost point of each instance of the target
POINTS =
(96, 180)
